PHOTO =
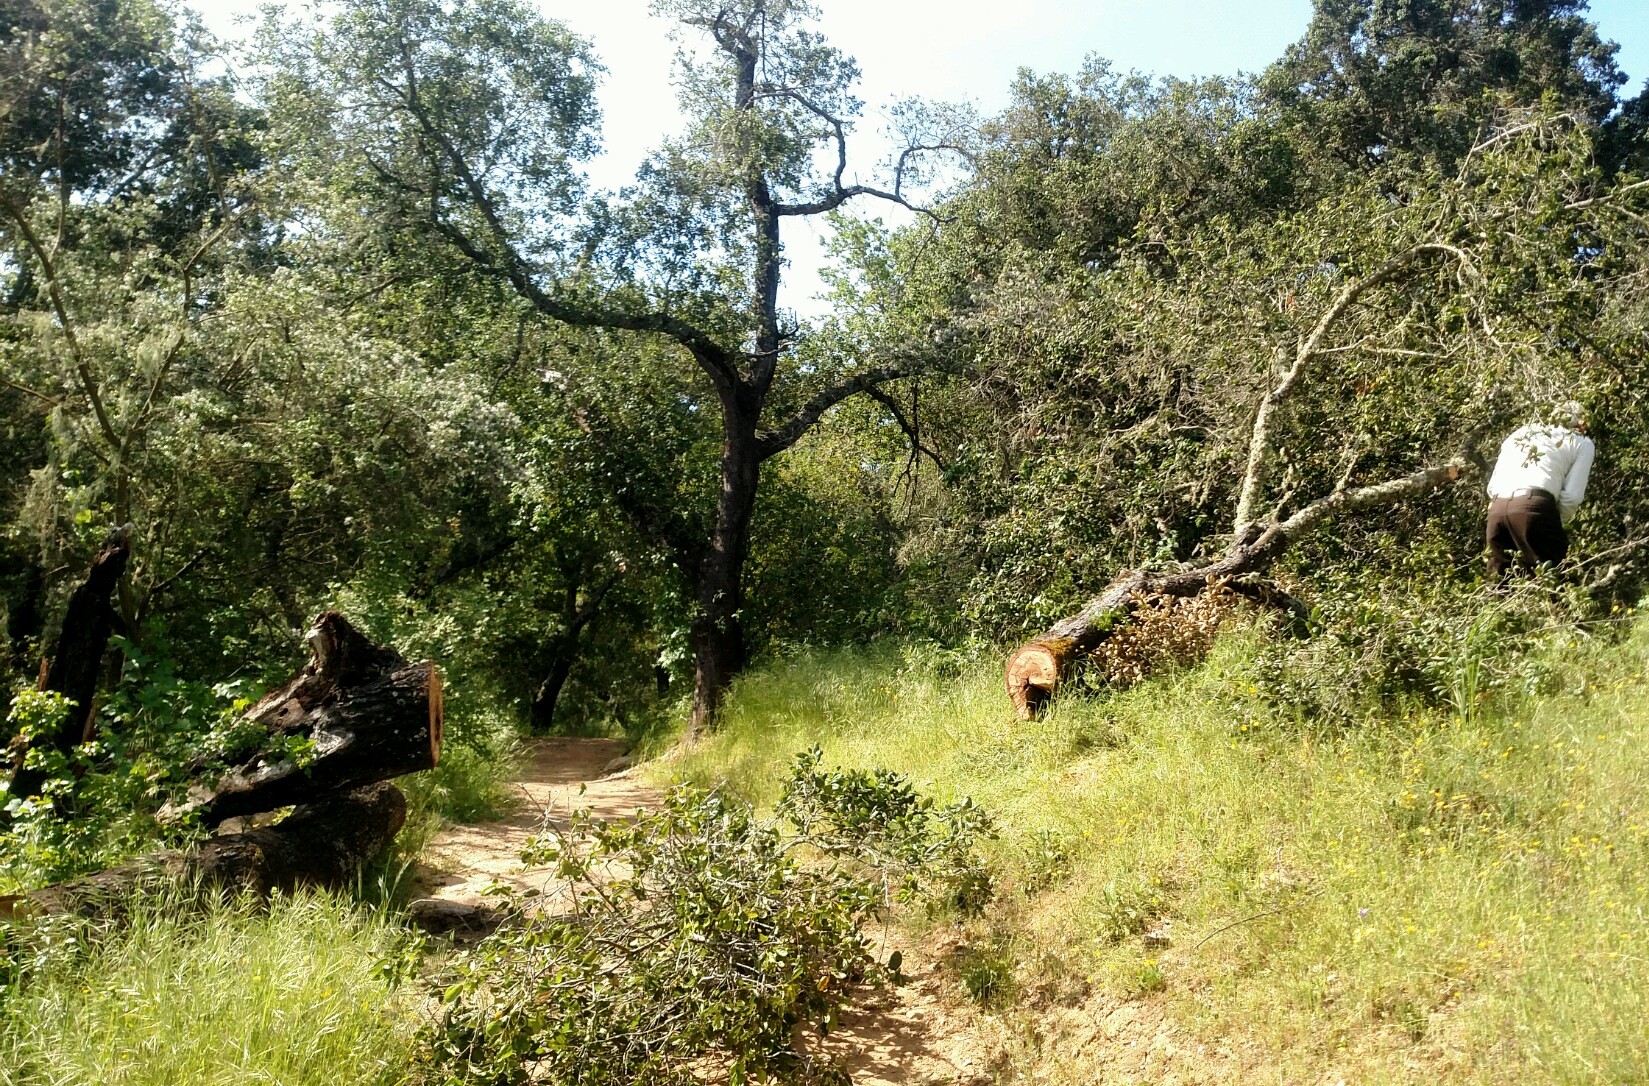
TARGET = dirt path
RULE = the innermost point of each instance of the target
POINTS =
(915, 1034)
(558, 777)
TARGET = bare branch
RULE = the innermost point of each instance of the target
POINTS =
(1607, 197)
(82, 367)
(911, 426)
(27, 391)
(1388, 493)
(839, 193)
(780, 438)
(506, 262)
(1259, 445)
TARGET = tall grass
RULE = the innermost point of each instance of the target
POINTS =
(295, 994)
(1425, 895)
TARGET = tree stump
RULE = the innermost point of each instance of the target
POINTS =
(367, 716)
(77, 662)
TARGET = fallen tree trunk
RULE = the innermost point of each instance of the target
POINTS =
(75, 666)
(365, 713)
(1037, 669)
(324, 844)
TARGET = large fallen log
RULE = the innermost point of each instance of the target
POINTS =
(366, 714)
(1038, 668)
(323, 844)
(75, 666)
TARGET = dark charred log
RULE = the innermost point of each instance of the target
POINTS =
(324, 844)
(368, 716)
(77, 662)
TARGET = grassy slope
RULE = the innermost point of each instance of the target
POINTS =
(1418, 898)
(296, 995)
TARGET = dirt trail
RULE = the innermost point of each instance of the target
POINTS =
(558, 777)
(914, 1034)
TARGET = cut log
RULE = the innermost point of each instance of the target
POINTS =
(77, 663)
(324, 844)
(367, 714)
(1034, 672)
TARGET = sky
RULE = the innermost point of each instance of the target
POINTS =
(947, 50)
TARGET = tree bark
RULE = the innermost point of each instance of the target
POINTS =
(324, 844)
(576, 616)
(542, 712)
(367, 714)
(77, 663)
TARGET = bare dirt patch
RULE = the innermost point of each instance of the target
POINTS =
(558, 777)
(922, 1032)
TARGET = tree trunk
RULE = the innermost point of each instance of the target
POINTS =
(77, 663)
(367, 714)
(325, 844)
(1037, 669)
(549, 691)
(717, 632)
(575, 616)
(23, 618)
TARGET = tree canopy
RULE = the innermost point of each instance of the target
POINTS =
(343, 320)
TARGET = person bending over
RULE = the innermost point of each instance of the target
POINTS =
(1537, 484)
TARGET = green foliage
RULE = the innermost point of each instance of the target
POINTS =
(1126, 906)
(154, 734)
(987, 974)
(1047, 861)
(315, 349)
(697, 934)
(1403, 644)
(879, 819)
(1373, 81)
(1123, 393)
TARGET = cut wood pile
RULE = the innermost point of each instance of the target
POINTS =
(325, 744)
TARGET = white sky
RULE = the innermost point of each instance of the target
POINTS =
(947, 50)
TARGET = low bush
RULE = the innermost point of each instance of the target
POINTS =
(700, 937)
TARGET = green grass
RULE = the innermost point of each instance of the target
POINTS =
(1422, 897)
(294, 994)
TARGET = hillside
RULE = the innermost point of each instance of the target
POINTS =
(1199, 885)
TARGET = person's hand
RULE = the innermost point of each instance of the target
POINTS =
(1452, 473)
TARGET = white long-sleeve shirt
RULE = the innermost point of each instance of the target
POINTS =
(1554, 458)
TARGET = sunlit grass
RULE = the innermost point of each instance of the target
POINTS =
(1417, 897)
(294, 994)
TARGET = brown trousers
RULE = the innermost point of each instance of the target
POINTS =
(1527, 529)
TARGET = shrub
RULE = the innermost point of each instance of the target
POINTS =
(1454, 649)
(698, 935)
(987, 974)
